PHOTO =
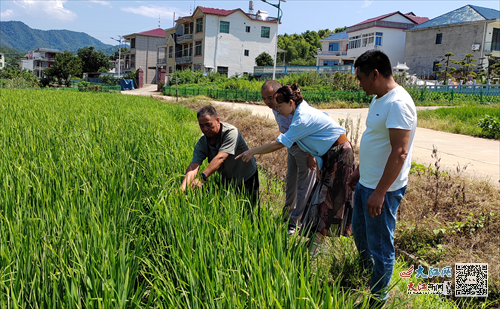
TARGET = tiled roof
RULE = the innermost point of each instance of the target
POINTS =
(411, 18)
(468, 13)
(337, 36)
(154, 32)
(213, 11)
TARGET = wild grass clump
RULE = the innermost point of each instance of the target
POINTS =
(462, 120)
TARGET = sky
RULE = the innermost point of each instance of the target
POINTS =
(104, 19)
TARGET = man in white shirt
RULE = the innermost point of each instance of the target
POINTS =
(300, 178)
(384, 163)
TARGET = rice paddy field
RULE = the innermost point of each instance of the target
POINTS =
(90, 217)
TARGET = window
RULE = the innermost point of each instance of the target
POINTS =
(355, 42)
(330, 62)
(185, 50)
(222, 70)
(247, 52)
(367, 39)
(190, 49)
(199, 25)
(132, 61)
(435, 66)
(439, 38)
(170, 51)
(378, 39)
(132, 43)
(333, 47)
(247, 29)
(495, 40)
(197, 48)
(265, 32)
(188, 28)
(224, 27)
(169, 70)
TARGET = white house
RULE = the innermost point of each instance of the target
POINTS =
(38, 60)
(225, 41)
(2, 61)
(334, 50)
(384, 32)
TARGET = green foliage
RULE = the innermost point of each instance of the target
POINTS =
(15, 78)
(264, 59)
(421, 241)
(93, 60)
(116, 54)
(445, 71)
(66, 67)
(492, 69)
(466, 67)
(464, 119)
(490, 126)
(12, 57)
(301, 48)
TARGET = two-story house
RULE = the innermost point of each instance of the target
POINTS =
(38, 60)
(385, 33)
(467, 30)
(217, 40)
(165, 52)
(143, 53)
(334, 50)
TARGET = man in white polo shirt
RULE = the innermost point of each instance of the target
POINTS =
(384, 165)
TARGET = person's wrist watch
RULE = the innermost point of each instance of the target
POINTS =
(204, 176)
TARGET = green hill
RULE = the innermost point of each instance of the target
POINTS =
(19, 36)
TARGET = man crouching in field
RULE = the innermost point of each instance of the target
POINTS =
(221, 143)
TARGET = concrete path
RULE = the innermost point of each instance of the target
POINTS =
(481, 156)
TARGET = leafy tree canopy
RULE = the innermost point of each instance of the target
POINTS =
(93, 60)
(264, 59)
(67, 66)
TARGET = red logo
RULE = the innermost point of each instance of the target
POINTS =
(407, 274)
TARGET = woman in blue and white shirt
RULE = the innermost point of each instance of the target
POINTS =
(317, 133)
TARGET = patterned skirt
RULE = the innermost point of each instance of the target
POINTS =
(331, 201)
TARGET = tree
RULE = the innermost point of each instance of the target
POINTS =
(338, 30)
(93, 60)
(466, 67)
(65, 67)
(115, 55)
(264, 60)
(492, 68)
(446, 71)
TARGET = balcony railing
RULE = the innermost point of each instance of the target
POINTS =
(332, 53)
(184, 38)
(161, 61)
(161, 42)
(185, 59)
(492, 46)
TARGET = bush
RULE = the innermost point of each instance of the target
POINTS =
(490, 126)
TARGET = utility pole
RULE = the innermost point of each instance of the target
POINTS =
(119, 52)
(280, 14)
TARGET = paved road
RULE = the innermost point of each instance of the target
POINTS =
(481, 156)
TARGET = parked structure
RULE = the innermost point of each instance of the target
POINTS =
(467, 30)
(384, 32)
(216, 40)
(2, 61)
(38, 60)
(143, 53)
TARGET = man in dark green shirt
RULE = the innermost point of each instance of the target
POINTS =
(221, 143)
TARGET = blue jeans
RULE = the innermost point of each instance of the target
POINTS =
(374, 237)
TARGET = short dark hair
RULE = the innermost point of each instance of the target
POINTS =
(287, 93)
(374, 60)
(207, 110)
(273, 84)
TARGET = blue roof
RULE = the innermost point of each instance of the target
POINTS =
(468, 13)
(337, 36)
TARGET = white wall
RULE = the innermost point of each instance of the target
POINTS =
(393, 43)
(27, 64)
(227, 49)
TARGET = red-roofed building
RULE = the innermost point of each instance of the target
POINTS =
(217, 40)
(143, 53)
(386, 32)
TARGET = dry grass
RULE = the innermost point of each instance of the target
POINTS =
(445, 217)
